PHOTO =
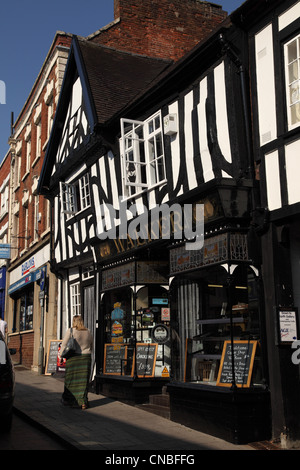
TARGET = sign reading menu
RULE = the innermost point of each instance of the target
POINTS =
(53, 348)
(145, 359)
(115, 356)
(244, 353)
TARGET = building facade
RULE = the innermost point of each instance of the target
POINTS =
(173, 138)
(4, 228)
(31, 316)
(135, 162)
(30, 213)
(273, 31)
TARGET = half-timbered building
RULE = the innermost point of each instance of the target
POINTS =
(274, 38)
(141, 152)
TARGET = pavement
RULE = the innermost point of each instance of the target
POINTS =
(108, 425)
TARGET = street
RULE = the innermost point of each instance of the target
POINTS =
(24, 436)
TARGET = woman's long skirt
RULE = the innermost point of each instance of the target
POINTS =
(77, 375)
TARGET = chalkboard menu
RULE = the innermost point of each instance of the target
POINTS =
(115, 356)
(145, 359)
(51, 365)
(244, 353)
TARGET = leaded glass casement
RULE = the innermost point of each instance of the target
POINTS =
(292, 74)
(142, 153)
(75, 196)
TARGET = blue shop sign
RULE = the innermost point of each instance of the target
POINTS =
(25, 280)
(4, 251)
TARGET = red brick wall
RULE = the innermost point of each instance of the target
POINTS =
(23, 343)
(160, 28)
(26, 183)
(4, 172)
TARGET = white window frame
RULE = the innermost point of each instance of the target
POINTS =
(50, 105)
(75, 196)
(36, 218)
(4, 194)
(68, 198)
(75, 299)
(84, 191)
(38, 138)
(292, 78)
(28, 155)
(142, 154)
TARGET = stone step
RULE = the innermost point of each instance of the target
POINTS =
(162, 411)
(161, 400)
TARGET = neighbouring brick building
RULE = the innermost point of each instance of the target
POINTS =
(159, 28)
(4, 227)
(29, 221)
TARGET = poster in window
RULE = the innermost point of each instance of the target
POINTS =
(288, 328)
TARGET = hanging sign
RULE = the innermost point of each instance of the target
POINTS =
(160, 334)
(4, 251)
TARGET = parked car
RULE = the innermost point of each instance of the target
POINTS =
(7, 386)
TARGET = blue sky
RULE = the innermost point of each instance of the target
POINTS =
(27, 30)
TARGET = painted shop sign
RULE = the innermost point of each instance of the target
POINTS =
(164, 222)
(28, 279)
(217, 249)
(129, 273)
(28, 266)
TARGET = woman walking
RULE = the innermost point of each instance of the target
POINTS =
(78, 367)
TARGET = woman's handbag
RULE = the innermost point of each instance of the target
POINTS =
(71, 348)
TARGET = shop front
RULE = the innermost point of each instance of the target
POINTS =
(135, 328)
(26, 297)
(219, 380)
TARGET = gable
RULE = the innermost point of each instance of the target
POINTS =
(76, 125)
(98, 83)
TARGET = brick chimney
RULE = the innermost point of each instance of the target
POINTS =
(159, 28)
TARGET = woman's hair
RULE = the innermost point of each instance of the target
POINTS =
(78, 323)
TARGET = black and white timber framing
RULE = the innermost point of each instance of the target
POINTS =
(208, 149)
(276, 139)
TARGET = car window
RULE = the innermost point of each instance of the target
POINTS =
(2, 352)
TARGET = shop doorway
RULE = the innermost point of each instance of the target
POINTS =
(89, 316)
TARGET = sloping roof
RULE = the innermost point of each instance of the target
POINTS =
(110, 80)
(116, 77)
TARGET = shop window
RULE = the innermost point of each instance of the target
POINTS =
(128, 323)
(26, 310)
(202, 322)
